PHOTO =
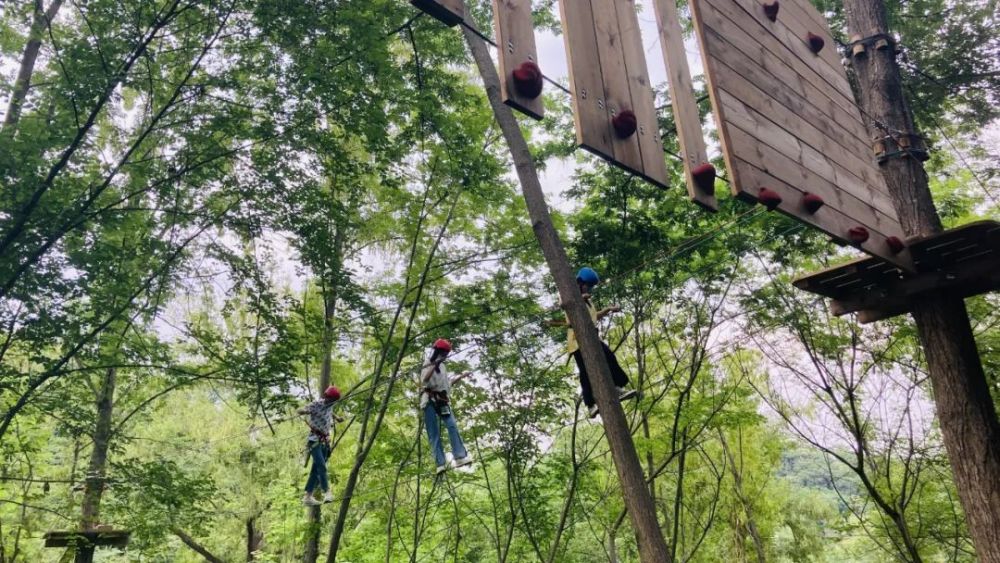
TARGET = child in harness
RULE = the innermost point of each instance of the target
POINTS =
(435, 404)
(320, 419)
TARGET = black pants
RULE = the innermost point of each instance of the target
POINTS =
(617, 374)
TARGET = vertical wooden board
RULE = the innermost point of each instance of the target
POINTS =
(617, 94)
(789, 123)
(682, 101)
(449, 12)
(516, 45)
(712, 72)
(792, 34)
(654, 166)
(593, 127)
(801, 18)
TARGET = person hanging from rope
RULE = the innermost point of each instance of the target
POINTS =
(587, 279)
(435, 385)
(320, 419)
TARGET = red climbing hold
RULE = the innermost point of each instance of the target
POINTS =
(816, 43)
(812, 202)
(769, 199)
(528, 80)
(858, 235)
(704, 177)
(895, 244)
(771, 10)
(625, 124)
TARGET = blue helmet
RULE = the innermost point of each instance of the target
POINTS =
(588, 276)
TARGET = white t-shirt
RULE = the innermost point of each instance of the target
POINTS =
(438, 381)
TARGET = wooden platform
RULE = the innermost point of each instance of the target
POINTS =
(94, 538)
(963, 261)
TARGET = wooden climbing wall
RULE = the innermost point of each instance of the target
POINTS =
(613, 102)
(521, 79)
(788, 121)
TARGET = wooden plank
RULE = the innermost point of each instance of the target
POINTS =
(449, 12)
(687, 119)
(98, 538)
(617, 94)
(812, 13)
(830, 220)
(791, 32)
(797, 115)
(593, 128)
(772, 49)
(516, 40)
(819, 159)
(888, 300)
(801, 18)
(748, 147)
(772, 78)
(654, 166)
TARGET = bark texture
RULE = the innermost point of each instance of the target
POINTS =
(965, 410)
(41, 19)
(94, 482)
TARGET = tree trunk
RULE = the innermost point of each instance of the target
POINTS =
(745, 502)
(197, 547)
(94, 482)
(311, 553)
(965, 410)
(255, 537)
(39, 23)
(652, 546)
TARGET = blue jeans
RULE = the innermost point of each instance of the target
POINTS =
(432, 422)
(317, 475)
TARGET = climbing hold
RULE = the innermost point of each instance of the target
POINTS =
(816, 43)
(528, 80)
(625, 124)
(858, 235)
(812, 202)
(704, 177)
(895, 244)
(769, 199)
(771, 10)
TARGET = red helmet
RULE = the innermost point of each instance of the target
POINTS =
(332, 393)
(442, 344)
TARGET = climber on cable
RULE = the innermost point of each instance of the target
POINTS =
(435, 385)
(587, 279)
(320, 419)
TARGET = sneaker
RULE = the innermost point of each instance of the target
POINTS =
(625, 394)
(463, 461)
(593, 411)
(440, 469)
(310, 500)
(328, 497)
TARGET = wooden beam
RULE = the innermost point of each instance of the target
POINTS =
(516, 46)
(687, 119)
(449, 12)
(593, 128)
(654, 165)
(97, 538)
(617, 94)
